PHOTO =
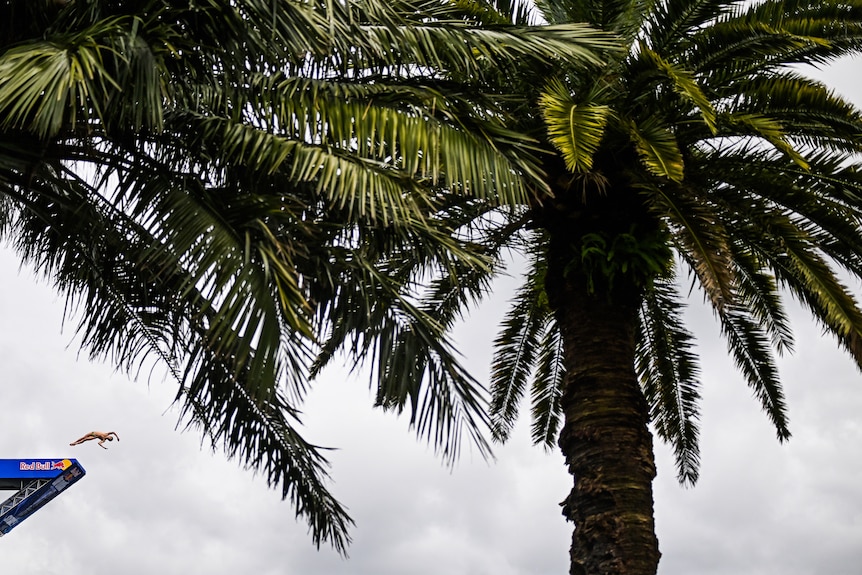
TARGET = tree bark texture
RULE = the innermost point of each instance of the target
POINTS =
(605, 438)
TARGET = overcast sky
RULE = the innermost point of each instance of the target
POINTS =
(158, 503)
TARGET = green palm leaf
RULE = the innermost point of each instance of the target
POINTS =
(515, 354)
(657, 148)
(701, 240)
(668, 372)
(547, 388)
(575, 129)
(683, 83)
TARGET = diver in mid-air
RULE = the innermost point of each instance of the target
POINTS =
(102, 436)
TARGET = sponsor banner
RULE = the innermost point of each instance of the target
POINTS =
(33, 468)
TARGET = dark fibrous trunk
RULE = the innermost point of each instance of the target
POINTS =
(605, 438)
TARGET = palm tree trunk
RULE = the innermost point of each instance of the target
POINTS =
(605, 439)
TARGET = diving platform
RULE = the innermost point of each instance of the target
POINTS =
(35, 483)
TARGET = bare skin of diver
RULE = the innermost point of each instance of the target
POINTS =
(102, 436)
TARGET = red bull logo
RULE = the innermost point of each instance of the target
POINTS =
(44, 465)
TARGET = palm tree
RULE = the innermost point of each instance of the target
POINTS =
(701, 149)
(200, 178)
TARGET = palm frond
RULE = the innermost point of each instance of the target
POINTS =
(763, 37)
(546, 390)
(759, 185)
(758, 292)
(750, 348)
(574, 128)
(376, 316)
(672, 22)
(363, 148)
(260, 435)
(657, 148)
(701, 239)
(803, 271)
(43, 84)
(415, 365)
(830, 29)
(465, 49)
(769, 130)
(825, 296)
(806, 111)
(669, 375)
(515, 351)
(623, 17)
(498, 12)
(683, 83)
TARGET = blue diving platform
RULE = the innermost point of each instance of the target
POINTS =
(35, 483)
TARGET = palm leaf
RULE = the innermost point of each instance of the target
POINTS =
(465, 48)
(673, 22)
(802, 109)
(546, 390)
(414, 365)
(683, 83)
(515, 354)
(701, 240)
(750, 349)
(657, 148)
(827, 298)
(758, 293)
(669, 375)
(575, 129)
(623, 17)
